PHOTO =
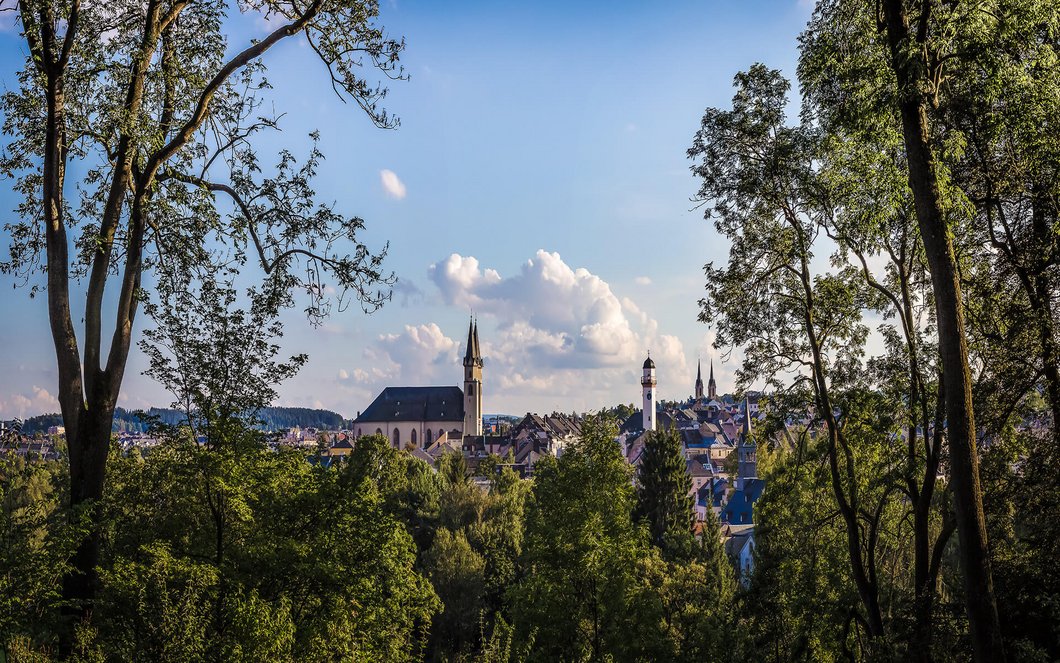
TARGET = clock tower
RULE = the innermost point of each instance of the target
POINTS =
(647, 383)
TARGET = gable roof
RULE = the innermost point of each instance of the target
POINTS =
(416, 404)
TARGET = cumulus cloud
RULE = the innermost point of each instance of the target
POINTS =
(559, 330)
(37, 400)
(392, 185)
(420, 355)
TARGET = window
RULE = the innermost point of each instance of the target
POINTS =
(397, 437)
(412, 437)
(430, 434)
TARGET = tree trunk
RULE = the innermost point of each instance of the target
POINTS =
(1041, 299)
(88, 445)
(953, 349)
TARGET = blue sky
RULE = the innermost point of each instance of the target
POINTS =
(538, 176)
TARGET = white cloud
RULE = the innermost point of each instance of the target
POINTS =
(420, 355)
(561, 332)
(29, 404)
(393, 186)
(642, 280)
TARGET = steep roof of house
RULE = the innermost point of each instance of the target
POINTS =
(740, 508)
(738, 538)
(698, 468)
(422, 455)
(416, 404)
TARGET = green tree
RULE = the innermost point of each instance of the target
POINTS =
(458, 575)
(149, 112)
(912, 55)
(663, 498)
(580, 551)
(37, 539)
(760, 183)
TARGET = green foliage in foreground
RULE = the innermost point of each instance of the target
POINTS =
(244, 555)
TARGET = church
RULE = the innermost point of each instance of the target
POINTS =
(418, 416)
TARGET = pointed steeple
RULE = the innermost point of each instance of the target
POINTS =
(699, 381)
(712, 387)
(747, 418)
(472, 337)
(472, 382)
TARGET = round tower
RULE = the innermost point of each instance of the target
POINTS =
(647, 383)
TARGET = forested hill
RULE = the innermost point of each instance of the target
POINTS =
(273, 418)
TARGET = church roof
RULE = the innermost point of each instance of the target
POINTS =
(416, 404)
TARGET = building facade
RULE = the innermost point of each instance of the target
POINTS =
(415, 417)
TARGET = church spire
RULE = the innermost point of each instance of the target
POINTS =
(699, 380)
(472, 342)
(712, 387)
(747, 419)
(472, 382)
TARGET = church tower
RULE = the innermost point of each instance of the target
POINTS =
(699, 381)
(647, 383)
(712, 388)
(747, 458)
(472, 383)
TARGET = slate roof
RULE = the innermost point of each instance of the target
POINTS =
(633, 423)
(422, 455)
(740, 508)
(416, 404)
(698, 468)
(738, 537)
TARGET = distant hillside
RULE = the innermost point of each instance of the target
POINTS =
(273, 418)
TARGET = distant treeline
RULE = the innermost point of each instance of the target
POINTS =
(272, 418)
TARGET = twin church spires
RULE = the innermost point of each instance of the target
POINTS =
(472, 382)
(712, 387)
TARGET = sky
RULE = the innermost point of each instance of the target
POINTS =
(538, 178)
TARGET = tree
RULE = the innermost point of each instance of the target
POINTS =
(874, 224)
(913, 57)
(760, 183)
(893, 64)
(621, 598)
(580, 550)
(458, 575)
(37, 539)
(248, 552)
(663, 488)
(145, 106)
